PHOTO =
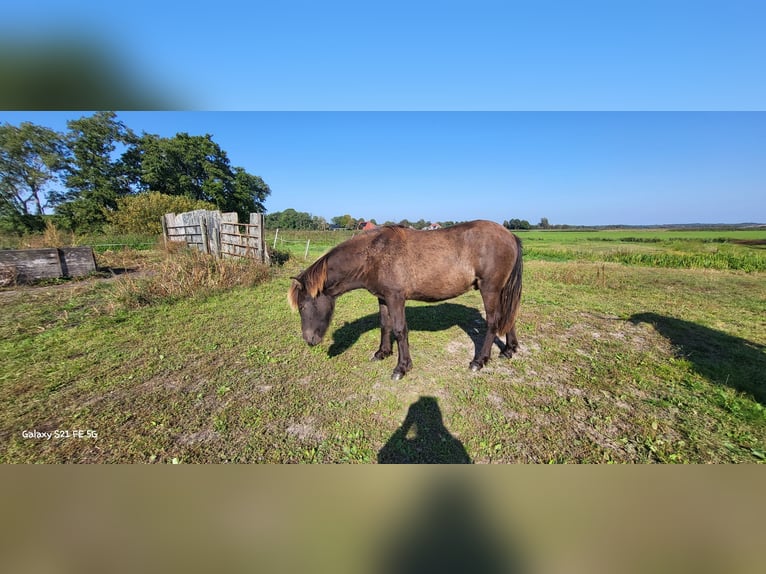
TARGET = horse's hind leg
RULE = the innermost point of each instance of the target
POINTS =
(511, 344)
(491, 302)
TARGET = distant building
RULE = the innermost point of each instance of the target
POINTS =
(432, 226)
(368, 225)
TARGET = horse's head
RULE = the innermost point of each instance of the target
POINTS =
(315, 310)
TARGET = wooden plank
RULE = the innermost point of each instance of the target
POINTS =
(76, 261)
(32, 264)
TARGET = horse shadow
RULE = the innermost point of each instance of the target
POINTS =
(430, 318)
(719, 357)
(423, 439)
(447, 529)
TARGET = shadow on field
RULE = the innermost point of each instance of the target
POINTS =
(423, 439)
(449, 531)
(431, 318)
(719, 357)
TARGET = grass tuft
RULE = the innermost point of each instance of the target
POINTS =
(186, 273)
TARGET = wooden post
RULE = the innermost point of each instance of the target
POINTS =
(306, 255)
(275, 239)
(203, 232)
(256, 239)
(165, 232)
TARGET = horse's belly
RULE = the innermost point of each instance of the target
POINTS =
(440, 287)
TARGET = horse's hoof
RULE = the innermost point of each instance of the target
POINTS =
(396, 376)
(475, 367)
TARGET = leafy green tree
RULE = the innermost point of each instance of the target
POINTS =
(31, 157)
(345, 221)
(94, 178)
(250, 191)
(291, 219)
(517, 224)
(197, 167)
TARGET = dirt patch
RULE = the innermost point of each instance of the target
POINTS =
(203, 436)
(305, 430)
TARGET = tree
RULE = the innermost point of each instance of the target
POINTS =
(250, 191)
(30, 158)
(197, 167)
(292, 219)
(345, 221)
(94, 178)
(517, 224)
(544, 223)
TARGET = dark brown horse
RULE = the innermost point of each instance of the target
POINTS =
(396, 264)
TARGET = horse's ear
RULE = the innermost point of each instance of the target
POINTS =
(297, 283)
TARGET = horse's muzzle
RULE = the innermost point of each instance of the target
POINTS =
(312, 340)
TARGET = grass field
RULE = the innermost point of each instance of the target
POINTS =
(620, 361)
(741, 250)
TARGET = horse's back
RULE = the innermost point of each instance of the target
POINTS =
(441, 264)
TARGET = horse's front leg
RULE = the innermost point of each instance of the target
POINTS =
(385, 333)
(399, 328)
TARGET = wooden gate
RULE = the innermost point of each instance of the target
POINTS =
(219, 234)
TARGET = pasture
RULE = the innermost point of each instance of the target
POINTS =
(635, 346)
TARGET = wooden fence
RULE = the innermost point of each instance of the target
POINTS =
(219, 234)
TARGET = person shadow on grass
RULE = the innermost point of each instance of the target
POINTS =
(423, 438)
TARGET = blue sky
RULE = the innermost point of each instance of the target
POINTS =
(586, 168)
(582, 112)
(424, 55)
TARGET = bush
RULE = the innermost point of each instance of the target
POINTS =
(279, 257)
(143, 213)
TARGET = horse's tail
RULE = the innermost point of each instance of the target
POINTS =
(510, 296)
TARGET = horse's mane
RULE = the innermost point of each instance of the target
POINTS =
(314, 277)
(312, 280)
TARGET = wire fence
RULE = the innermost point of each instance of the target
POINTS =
(307, 244)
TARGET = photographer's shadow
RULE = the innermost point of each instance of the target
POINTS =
(423, 438)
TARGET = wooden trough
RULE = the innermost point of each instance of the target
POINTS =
(27, 265)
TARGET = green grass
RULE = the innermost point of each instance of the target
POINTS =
(737, 250)
(295, 242)
(618, 363)
(740, 250)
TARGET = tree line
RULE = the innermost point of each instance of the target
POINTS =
(293, 219)
(99, 170)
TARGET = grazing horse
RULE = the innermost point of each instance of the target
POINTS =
(396, 264)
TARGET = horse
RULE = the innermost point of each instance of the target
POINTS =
(396, 264)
